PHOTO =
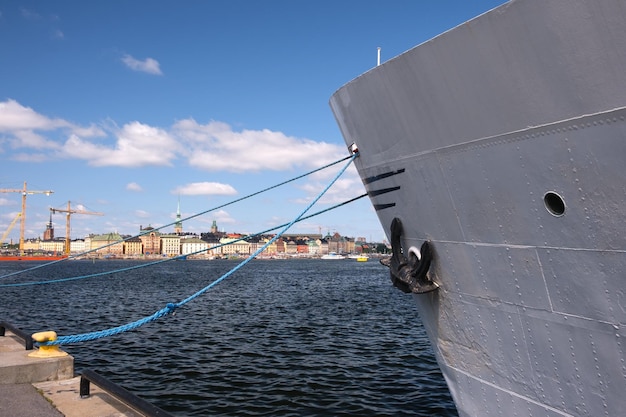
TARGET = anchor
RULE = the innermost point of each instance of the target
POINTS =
(409, 274)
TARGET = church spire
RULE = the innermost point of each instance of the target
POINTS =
(48, 234)
(178, 226)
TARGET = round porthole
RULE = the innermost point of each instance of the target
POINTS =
(554, 203)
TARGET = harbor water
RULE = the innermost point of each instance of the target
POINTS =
(277, 338)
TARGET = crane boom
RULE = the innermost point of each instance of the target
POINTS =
(68, 212)
(24, 192)
(6, 233)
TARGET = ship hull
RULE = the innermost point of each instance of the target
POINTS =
(30, 258)
(501, 143)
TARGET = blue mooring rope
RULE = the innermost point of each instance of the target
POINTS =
(171, 307)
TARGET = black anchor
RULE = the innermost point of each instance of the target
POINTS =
(409, 275)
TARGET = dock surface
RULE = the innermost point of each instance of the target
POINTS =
(21, 400)
(47, 387)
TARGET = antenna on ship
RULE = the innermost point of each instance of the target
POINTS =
(378, 61)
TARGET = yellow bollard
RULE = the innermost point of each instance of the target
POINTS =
(46, 351)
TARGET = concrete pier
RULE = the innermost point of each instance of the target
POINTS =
(17, 367)
(47, 387)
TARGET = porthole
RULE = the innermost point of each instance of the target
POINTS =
(554, 203)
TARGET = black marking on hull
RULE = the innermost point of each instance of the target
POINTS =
(378, 207)
(382, 191)
(369, 180)
(374, 193)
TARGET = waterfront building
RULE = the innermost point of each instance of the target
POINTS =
(280, 246)
(151, 240)
(234, 248)
(32, 245)
(301, 246)
(88, 241)
(78, 246)
(307, 237)
(339, 244)
(213, 241)
(350, 245)
(270, 250)
(170, 245)
(364, 248)
(291, 248)
(55, 246)
(133, 247)
(255, 243)
(314, 247)
(324, 247)
(195, 246)
(111, 244)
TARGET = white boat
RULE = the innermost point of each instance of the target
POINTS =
(333, 255)
(494, 156)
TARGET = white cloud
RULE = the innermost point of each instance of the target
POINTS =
(149, 65)
(342, 190)
(137, 145)
(205, 188)
(142, 214)
(23, 128)
(133, 186)
(91, 131)
(14, 118)
(6, 202)
(30, 157)
(29, 14)
(10, 217)
(222, 216)
(216, 147)
(31, 139)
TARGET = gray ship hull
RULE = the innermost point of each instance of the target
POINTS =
(502, 143)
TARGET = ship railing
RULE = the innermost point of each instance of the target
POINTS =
(131, 400)
(28, 340)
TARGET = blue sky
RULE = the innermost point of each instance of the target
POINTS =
(125, 107)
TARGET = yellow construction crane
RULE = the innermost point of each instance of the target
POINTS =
(24, 192)
(4, 236)
(68, 212)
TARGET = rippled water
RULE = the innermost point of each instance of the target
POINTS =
(277, 338)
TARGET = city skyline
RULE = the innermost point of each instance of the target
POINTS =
(52, 229)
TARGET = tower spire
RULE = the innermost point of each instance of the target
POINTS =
(178, 226)
(48, 234)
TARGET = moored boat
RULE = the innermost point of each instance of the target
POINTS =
(332, 256)
(493, 156)
(359, 257)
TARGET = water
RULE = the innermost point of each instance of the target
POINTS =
(277, 338)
